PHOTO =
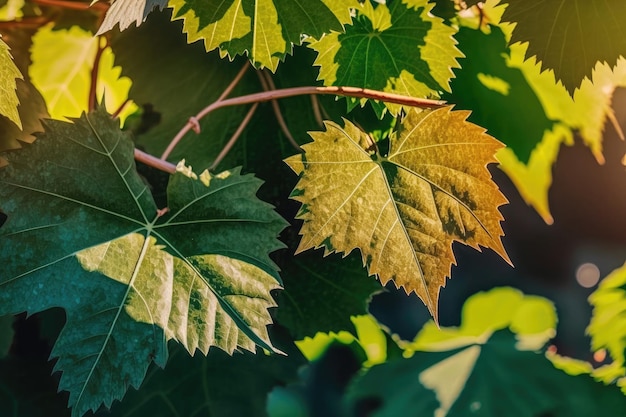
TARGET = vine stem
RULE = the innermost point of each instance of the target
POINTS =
(298, 91)
(154, 162)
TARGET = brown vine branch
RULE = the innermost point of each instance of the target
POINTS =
(298, 91)
(25, 22)
(154, 162)
(268, 85)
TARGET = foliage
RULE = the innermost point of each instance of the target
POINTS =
(143, 192)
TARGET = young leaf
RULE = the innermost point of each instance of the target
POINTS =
(8, 76)
(265, 30)
(569, 36)
(93, 243)
(400, 48)
(402, 210)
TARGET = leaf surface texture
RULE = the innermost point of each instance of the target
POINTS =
(403, 210)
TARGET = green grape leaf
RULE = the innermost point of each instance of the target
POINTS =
(66, 92)
(569, 36)
(399, 48)
(606, 327)
(128, 276)
(403, 210)
(201, 79)
(265, 30)
(493, 91)
(125, 12)
(216, 385)
(483, 379)
(9, 74)
(321, 295)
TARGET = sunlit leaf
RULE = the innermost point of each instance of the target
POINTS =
(402, 210)
(93, 243)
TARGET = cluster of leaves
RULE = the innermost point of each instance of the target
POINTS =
(145, 253)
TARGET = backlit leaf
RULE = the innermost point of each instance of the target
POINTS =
(402, 210)
(400, 48)
(569, 36)
(265, 30)
(93, 243)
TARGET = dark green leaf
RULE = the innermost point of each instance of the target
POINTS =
(93, 243)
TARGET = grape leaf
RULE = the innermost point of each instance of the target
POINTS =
(216, 385)
(321, 295)
(403, 210)
(400, 48)
(61, 71)
(8, 76)
(606, 327)
(125, 12)
(484, 366)
(264, 29)
(493, 91)
(93, 243)
(569, 36)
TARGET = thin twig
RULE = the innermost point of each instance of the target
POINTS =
(235, 81)
(298, 91)
(268, 84)
(154, 162)
(315, 103)
(192, 123)
(93, 87)
(234, 138)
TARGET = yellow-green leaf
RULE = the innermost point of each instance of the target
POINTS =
(403, 210)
